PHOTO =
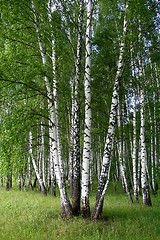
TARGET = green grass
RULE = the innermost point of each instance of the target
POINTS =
(29, 215)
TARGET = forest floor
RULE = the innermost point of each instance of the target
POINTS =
(29, 215)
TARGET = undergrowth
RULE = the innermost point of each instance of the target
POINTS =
(29, 215)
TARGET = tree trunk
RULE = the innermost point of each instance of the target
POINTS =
(110, 135)
(134, 150)
(10, 180)
(156, 85)
(43, 153)
(29, 175)
(120, 152)
(71, 145)
(41, 183)
(24, 181)
(139, 168)
(135, 181)
(52, 174)
(65, 204)
(76, 160)
(99, 204)
(87, 130)
(35, 182)
(145, 191)
(7, 183)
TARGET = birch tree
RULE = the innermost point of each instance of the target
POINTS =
(41, 183)
(87, 130)
(134, 132)
(156, 130)
(110, 135)
(76, 156)
(65, 204)
(145, 191)
(121, 155)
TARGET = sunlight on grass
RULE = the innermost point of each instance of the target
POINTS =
(29, 215)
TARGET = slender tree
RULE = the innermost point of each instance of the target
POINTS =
(110, 135)
(145, 191)
(76, 156)
(134, 153)
(87, 130)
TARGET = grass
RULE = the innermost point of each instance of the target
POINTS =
(29, 215)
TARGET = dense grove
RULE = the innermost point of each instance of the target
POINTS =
(80, 99)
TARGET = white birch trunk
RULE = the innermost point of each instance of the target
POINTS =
(44, 191)
(43, 155)
(99, 159)
(39, 156)
(145, 192)
(155, 138)
(143, 155)
(24, 181)
(29, 174)
(134, 150)
(48, 173)
(139, 168)
(151, 152)
(99, 156)
(71, 143)
(100, 203)
(127, 115)
(134, 134)
(76, 160)
(111, 129)
(57, 156)
(91, 169)
(39, 162)
(121, 156)
(52, 175)
(51, 135)
(87, 130)
(157, 79)
(19, 182)
(65, 204)
(55, 97)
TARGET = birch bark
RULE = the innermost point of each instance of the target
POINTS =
(111, 129)
(65, 204)
(139, 167)
(29, 174)
(52, 175)
(143, 160)
(151, 152)
(156, 130)
(121, 155)
(145, 191)
(76, 160)
(71, 153)
(43, 154)
(134, 133)
(87, 130)
(41, 183)
(153, 142)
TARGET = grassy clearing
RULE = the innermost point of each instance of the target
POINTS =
(29, 215)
